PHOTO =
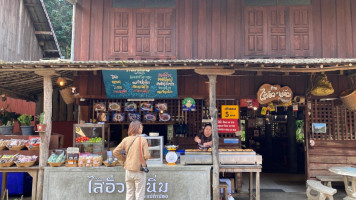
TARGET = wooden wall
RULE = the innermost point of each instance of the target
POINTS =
(17, 36)
(190, 84)
(336, 147)
(223, 29)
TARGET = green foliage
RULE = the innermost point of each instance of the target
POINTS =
(60, 13)
(7, 118)
(300, 132)
(40, 118)
(25, 120)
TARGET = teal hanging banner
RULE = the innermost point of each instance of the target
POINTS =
(140, 84)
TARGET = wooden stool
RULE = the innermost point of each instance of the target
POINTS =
(224, 187)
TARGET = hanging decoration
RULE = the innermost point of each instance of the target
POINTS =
(322, 86)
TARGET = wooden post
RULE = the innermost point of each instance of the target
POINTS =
(212, 74)
(215, 148)
(45, 136)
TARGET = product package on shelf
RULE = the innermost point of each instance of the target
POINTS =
(111, 161)
(90, 160)
(33, 143)
(72, 157)
(16, 144)
(7, 160)
(26, 161)
(57, 158)
(3, 144)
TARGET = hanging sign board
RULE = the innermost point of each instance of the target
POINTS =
(230, 112)
(268, 93)
(228, 126)
(141, 84)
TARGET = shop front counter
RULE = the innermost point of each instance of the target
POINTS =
(163, 182)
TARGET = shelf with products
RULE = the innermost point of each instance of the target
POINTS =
(91, 138)
(155, 147)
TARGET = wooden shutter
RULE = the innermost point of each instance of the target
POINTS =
(255, 31)
(121, 24)
(143, 26)
(278, 38)
(300, 31)
(165, 38)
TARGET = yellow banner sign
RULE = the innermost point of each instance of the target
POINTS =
(229, 112)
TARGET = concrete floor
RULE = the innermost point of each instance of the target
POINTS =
(284, 187)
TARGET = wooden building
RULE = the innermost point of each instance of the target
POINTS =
(274, 30)
(279, 42)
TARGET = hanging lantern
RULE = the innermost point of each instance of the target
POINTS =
(322, 86)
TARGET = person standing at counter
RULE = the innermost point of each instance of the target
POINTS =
(204, 138)
(135, 159)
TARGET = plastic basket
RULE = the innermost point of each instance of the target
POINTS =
(348, 97)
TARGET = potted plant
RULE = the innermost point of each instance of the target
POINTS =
(41, 126)
(7, 121)
(25, 121)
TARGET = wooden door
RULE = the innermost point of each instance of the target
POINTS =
(300, 24)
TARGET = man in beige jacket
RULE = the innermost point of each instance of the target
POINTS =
(135, 158)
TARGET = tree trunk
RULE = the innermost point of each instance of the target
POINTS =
(45, 136)
(215, 147)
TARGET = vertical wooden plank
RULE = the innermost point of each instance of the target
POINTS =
(337, 122)
(55, 105)
(85, 29)
(70, 112)
(106, 29)
(181, 29)
(332, 122)
(216, 31)
(239, 29)
(78, 30)
(195, 26)
(348, 29)
(349, 114)
(188, 29)
(316, 17)
(83, 84)
(209, 31)
(62, 110)
(345, 124)
(202, 30)
(96, 51)
(328, 25)
(237, 83)
(223, 27)
(353, 21)
(230, 28)
(341, 28)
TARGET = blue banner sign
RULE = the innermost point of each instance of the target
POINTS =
(140, 84)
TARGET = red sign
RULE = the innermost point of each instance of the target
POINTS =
(227, 125)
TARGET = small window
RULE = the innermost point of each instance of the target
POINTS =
(294, 2)
(144, 3)
(260, 2)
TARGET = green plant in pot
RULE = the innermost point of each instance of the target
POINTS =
(7, 120)
(25, 121)
(41, 126)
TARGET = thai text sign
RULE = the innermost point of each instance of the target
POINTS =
(230, 112)
(227, 125)
(140, 83)
(268, 93)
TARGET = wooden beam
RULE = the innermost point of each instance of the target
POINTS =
(43, 33)
(214, 71)
(45, 136)
(215, 136)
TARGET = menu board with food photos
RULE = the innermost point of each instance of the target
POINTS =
(120, 84)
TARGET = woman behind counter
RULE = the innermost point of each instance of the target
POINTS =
(204, 138)
(135, 178)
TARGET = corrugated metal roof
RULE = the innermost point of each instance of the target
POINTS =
(43, 28)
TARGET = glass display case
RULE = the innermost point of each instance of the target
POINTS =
(90, 138)
(155, 147)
